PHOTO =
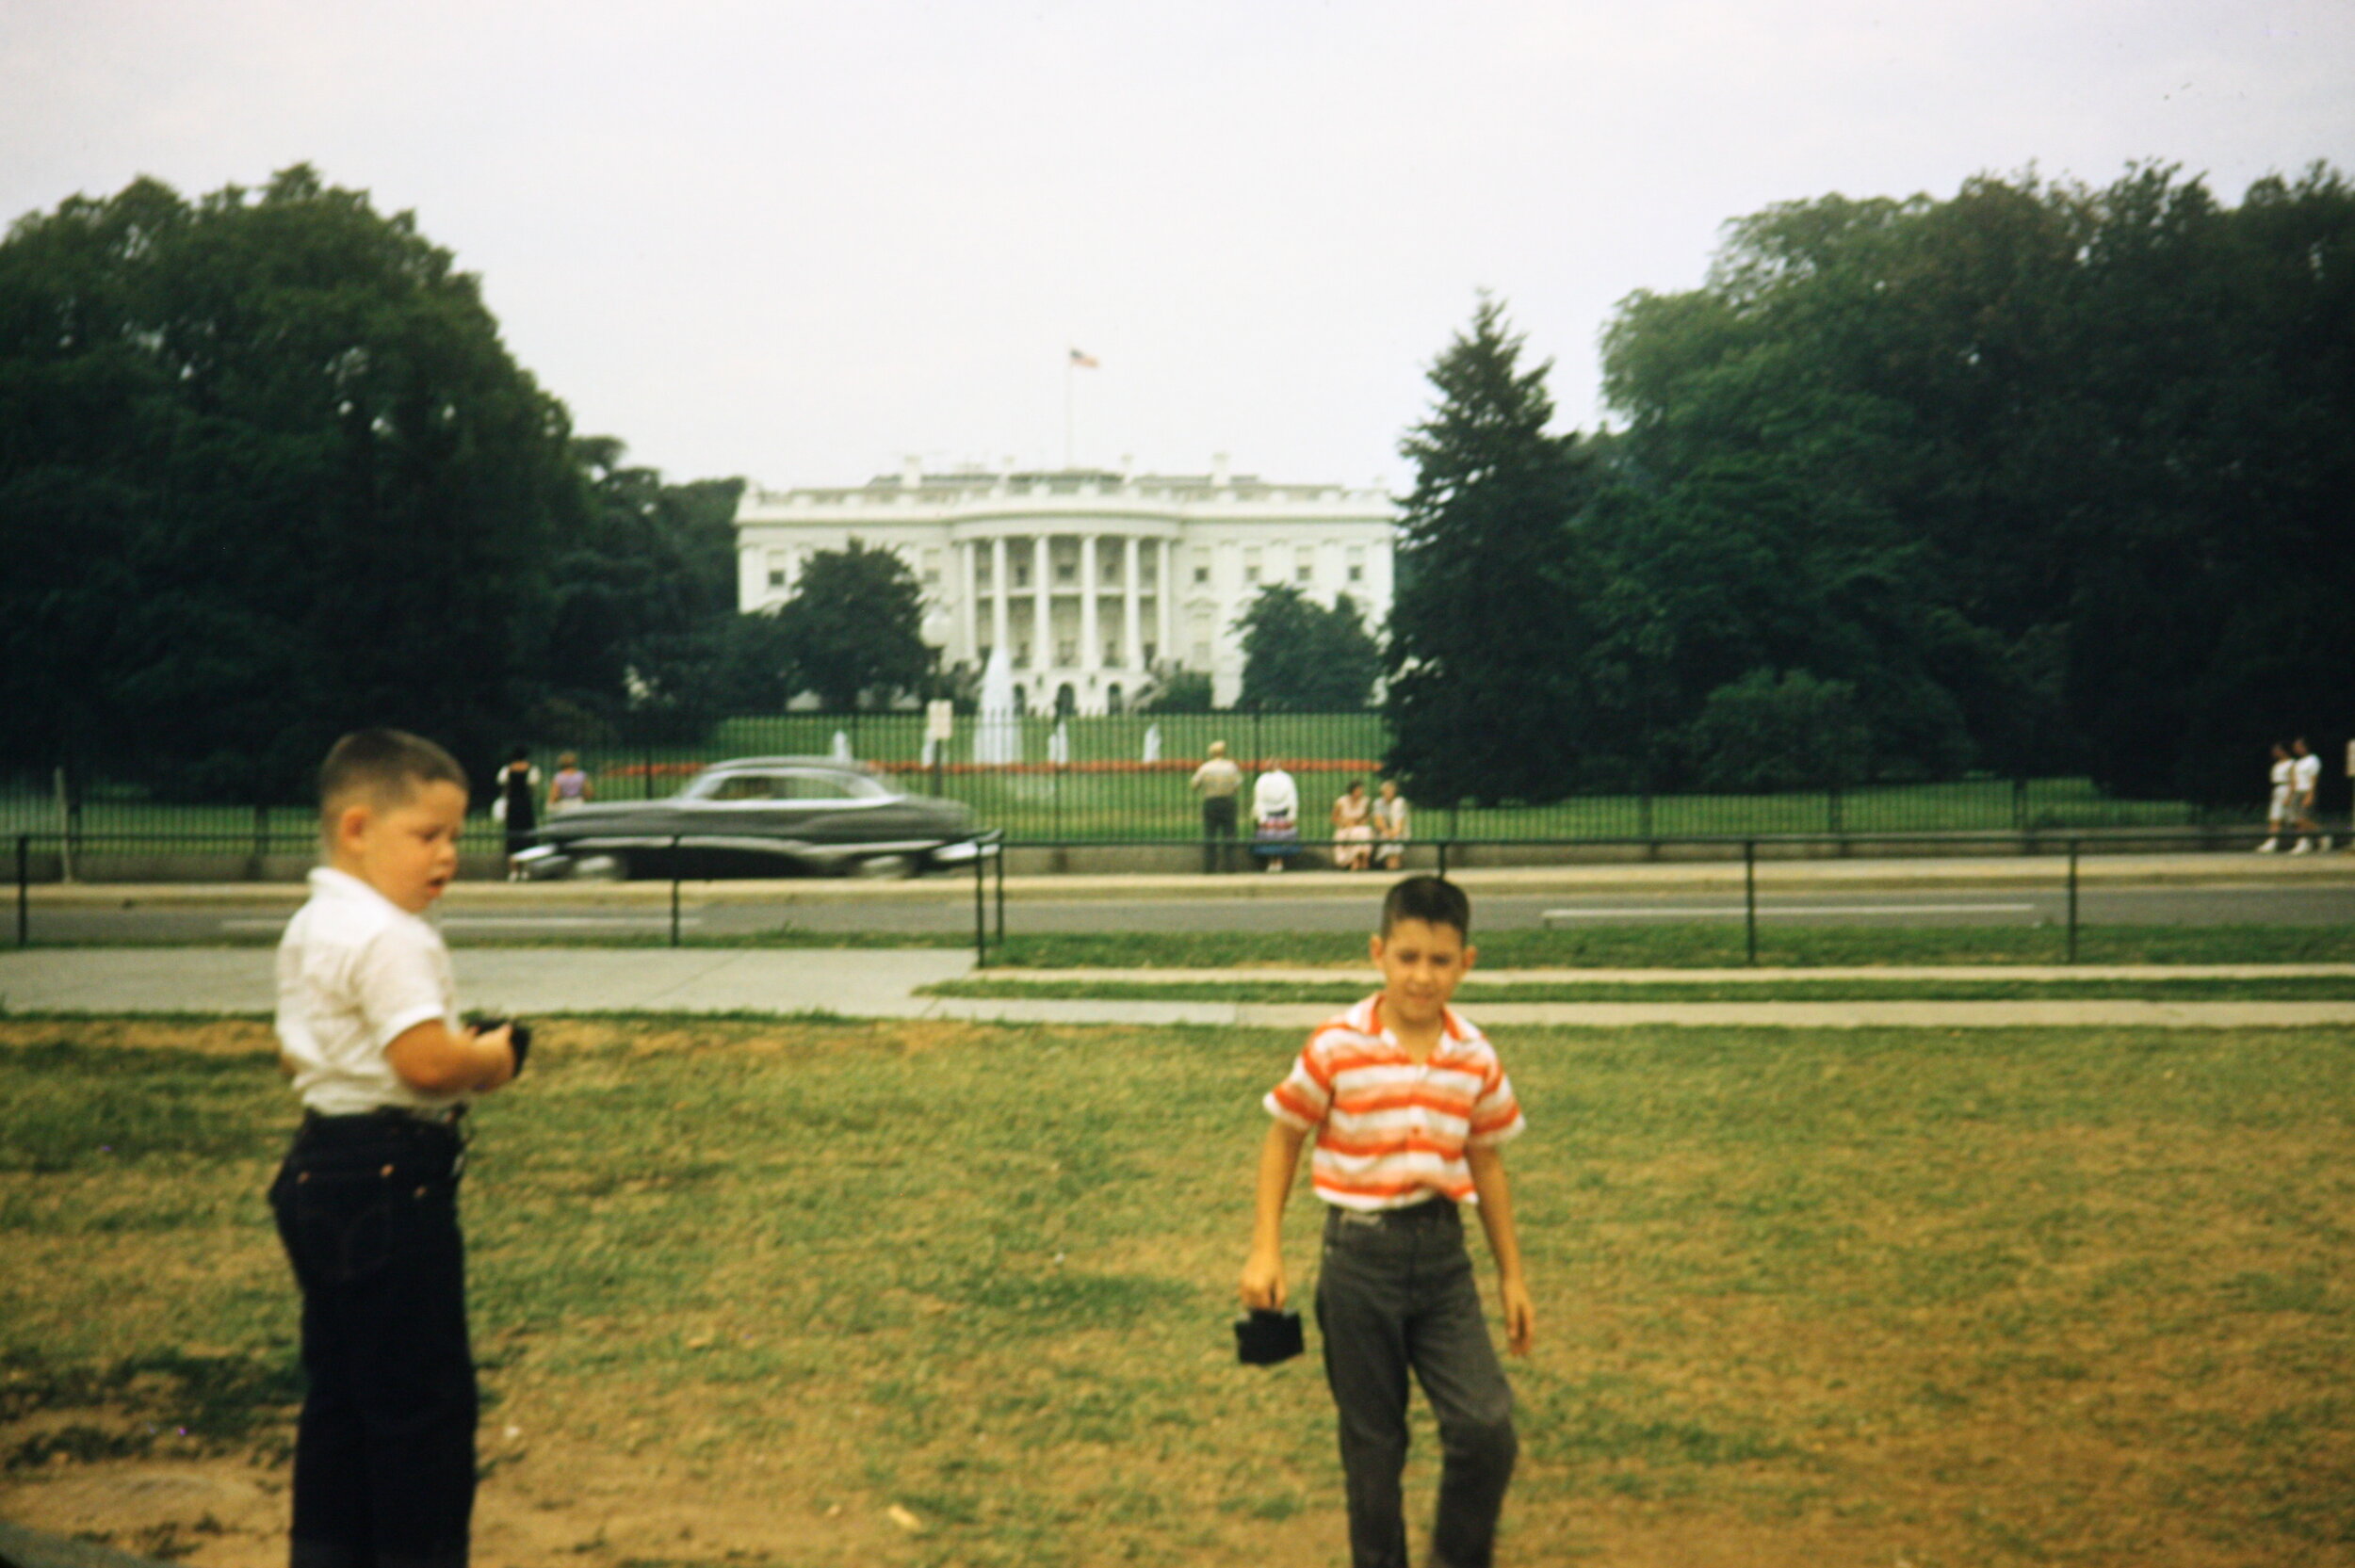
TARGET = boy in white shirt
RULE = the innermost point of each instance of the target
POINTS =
(366, 1201)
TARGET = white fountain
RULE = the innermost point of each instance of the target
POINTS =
(1152, 743)
(997, 737)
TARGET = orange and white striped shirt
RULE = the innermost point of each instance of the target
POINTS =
(1392, 1131)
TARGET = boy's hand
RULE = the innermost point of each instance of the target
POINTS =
(1262, 1282)
(503, 1070)
(1520, 1315)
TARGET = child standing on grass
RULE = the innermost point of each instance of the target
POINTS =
(366, 1201)
(1410, 1107)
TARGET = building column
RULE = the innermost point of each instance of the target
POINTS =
(1091, 652)
(969, 618)
(1132, 643)
(1042, 623)
(997, 597)
(1169, 600)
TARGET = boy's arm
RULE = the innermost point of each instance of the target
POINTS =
(1496, 1218)
(1263, 1272)
(433, 1061)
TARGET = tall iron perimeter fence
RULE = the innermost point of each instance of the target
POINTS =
(1124, 777)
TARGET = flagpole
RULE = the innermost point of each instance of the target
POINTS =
(1070, 365)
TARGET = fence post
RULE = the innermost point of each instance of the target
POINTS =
(1000, 858)
(1750, 899)
(2019, 804)
(2072, 900)
(674, 843)
(1442, 849)
(260, 841)
(980, 909)
(1834, 818)
(24, 899)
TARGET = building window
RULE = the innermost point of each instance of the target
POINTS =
(1251, 564)
(1112, 654)
(1066, 652)
(1149, 651)
(1066, 571)
(776, 576)
(1021, 575)
(1302, 573)
(1022, 656)
(1357, 572)
(932, 566)
(1201, 654)
(1201, 574)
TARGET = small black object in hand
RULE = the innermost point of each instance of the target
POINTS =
(518, 1036)
(1262, 1338)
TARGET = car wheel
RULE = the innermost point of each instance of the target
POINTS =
(602, 868)
(887, 868)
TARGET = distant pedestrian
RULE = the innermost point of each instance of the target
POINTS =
(517, 805)
(1275, 817)
(1218, 782)
(2305, 778)
(2277, 800)
(1353, 828)
(1389, 826)
(570, 787)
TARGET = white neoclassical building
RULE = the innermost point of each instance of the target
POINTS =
(1091, 580)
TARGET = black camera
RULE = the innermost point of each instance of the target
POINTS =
(519, 1036)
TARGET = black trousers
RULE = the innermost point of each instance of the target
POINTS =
(1218, 834)
(1395, 1293)
(384, 1452)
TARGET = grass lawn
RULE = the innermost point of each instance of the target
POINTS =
(1715, 945)
(2281, 987)
(742, 1288)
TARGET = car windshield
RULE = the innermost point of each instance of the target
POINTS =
(789, 783)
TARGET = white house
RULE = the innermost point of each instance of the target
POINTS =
(1092, 580)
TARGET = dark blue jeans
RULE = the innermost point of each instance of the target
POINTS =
(1396, 1293)
(384, 1454)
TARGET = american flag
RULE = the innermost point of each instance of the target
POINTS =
(1085, 362)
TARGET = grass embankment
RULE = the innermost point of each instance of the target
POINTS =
(2289, 987)
(742, 1287)
(1695, 945)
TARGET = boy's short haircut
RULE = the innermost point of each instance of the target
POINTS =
(380, 768)
(1434, 900)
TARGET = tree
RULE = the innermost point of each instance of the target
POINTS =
(1488, 632)
(1179, 691)
(854, 624)
(267, 474)
(1763, 733)
(1301, 657)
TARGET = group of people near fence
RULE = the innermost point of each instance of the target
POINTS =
(1367, 832)
(2290, 806)
(515, 805)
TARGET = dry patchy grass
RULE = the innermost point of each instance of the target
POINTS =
(743, 1288)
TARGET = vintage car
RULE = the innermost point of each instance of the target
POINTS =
(761, 817)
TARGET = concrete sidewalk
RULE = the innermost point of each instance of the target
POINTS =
(884, 983)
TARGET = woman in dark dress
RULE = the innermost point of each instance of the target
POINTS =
(519, 788)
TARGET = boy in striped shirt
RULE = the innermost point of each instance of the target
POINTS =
(1410, 1107)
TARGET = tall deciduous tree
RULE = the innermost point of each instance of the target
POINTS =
(1302, 658)
(266, 472)
(1487, 628)
(854, 625)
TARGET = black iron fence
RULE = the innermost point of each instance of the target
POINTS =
(1125, 777)
(42, 858)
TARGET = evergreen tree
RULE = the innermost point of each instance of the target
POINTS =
(1486, 629)
(854, 625)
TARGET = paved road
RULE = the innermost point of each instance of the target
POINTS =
(475, 915)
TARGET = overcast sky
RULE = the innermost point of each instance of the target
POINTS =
(799, 241)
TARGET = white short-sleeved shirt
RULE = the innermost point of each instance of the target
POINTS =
(355, 972)
(2305, 773)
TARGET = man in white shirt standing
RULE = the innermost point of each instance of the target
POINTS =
(2305, 777)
